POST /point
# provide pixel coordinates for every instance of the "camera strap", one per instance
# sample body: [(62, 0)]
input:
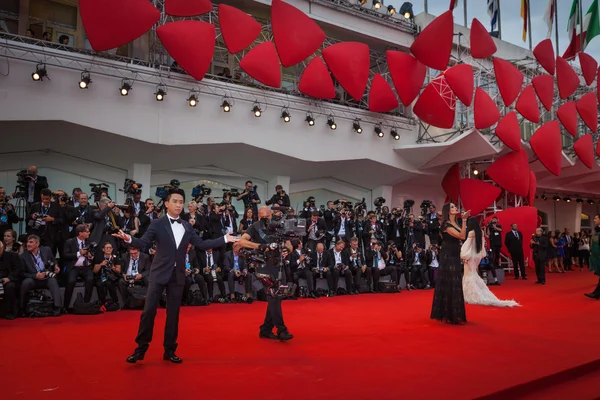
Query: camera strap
[(37, 260), (263, 235)]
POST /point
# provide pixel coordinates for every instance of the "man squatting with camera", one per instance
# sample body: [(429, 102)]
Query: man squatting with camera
[(167, 272), (256, 238)]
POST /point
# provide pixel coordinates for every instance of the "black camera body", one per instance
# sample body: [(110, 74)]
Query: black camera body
[(49, 269), (97, 189), (378, 202), (131, 187)]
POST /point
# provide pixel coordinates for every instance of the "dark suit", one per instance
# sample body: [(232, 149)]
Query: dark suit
[(167, 272), (305, 273), (337, 273), (40, 183), (318, 263), (10, 267), (356, 263), (83, 271), (514, 244), (194, 277), (142, 267), (321, 228), (203, 258), (31, 282), (48, 232), (231, 278), (540, 257)]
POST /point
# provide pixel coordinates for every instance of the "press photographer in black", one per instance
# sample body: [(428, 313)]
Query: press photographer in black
[(279, 199), (494, 233), (539, 244), (250, 197), (257, 238), (10, 274)]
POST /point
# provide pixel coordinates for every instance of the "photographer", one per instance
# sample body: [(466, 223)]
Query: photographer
[(396, 229), (148, 214), (539, 244), (86, 213), (193, 275), (352, 257), (376, 259), (43, 220), (236, 270), (372, 230), (494, 233), (433, 225), (10, 274), (331, 217), (250, 197), (107, 271), (212, 272), (256, 238), (36, 184), (39, 270), (338, 269), (135, 270), (77, 260), (103, 223), (8, 216), (419, 268), (344, 227), (219, 223), (432, 260), (318, 264), (309, 208), (315, 229), (396, 260), (415, 231), (68, 218), (300, 267), (280, 198)]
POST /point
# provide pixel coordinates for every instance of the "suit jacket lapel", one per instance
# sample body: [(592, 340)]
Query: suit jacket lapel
[(167, 226)]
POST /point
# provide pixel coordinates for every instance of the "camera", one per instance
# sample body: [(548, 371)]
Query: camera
[(1, 289), (425, 204), (97, 189), (130, 279), (408, 204), (361, 206), (91, 248), (378, 202), (200, 191), (131, 187), (35, 222), (49, 269), (23, 179)]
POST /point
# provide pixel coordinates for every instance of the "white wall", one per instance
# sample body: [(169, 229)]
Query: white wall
[(418, 193), (563, 215)]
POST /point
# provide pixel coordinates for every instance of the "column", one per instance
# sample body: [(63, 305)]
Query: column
[(141, 173), (382, 191), (278, 180)]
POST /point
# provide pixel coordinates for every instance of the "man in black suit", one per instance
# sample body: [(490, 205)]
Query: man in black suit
[(38, 266), (43, 220), (137, 265), (514, 244), (235, 267), (212, 271), (539, 243), (78, 264), (36, 184), (172, 236), (10, 274), (193, 274), (315, 231)]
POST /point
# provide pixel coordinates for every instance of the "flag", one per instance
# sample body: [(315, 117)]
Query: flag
[(492, 6), (573, 20), (549, 16), (525, 16), (453, 4), (591, 29)]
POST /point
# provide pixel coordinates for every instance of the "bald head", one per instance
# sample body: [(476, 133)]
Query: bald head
[(32, 169), (264, 212)]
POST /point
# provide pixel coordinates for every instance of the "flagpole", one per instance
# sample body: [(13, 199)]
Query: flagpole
[(556, 24), (529, 25), (465, 10), (580, 27), (499, 22), (425, 6)]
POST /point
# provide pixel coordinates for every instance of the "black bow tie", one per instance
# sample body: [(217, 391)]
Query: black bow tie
[(178, 220)]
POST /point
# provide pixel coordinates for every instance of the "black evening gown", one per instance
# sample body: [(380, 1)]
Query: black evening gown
[(448, 300)]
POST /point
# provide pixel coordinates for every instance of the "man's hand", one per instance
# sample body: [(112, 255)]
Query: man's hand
[(40, 275), (138, 277), (231, 238), (325, 269), (218, 269), (207, 270), (237, 273), (122, 235), (302, 258), (5, 281), (47, 218), (83, 252), (364, 268), (103, 263), (56, 269), (111, 204)]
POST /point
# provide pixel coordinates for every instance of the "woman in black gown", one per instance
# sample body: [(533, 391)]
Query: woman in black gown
[(448, 301)]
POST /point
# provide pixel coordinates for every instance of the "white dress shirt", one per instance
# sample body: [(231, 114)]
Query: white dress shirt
[(80, 259)]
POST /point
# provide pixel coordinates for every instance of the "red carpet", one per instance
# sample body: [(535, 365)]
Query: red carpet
[(356, 347)]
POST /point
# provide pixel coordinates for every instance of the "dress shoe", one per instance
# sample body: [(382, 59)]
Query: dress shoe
[(524, 278), (312, 295), (284, 336), (267, 335), (135, 357), (592, 296), (172, 357)]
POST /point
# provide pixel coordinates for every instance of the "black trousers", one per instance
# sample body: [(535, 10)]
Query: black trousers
[(419, 272), (10, 297), (310, 277), (51, 284), (403, 270), (231, 279), (274, 316), (540, 268), (567, 260), (102, 287), (359, 274), (84, 273), (210, 285), (336, 275), (388, 270), (145, 331), (123, 285), (519, 264), (198, 279)]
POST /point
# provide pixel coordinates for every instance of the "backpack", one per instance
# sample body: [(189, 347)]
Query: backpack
[(82, 308), (137, 298)]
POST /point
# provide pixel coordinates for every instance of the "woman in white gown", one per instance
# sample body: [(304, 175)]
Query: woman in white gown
[(474, 288)]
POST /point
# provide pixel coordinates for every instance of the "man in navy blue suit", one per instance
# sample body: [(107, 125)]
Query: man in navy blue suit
[(172, 236)]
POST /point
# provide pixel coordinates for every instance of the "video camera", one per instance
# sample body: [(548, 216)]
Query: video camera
[(97, 189), (408, 204), (23, 179), (91, 248), (163, 191), (293, 228), (131, 187), (199, 191), (425, 204), (361, 206), (378, 202)]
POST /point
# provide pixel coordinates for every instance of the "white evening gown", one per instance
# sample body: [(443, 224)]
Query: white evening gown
[(474, 288)]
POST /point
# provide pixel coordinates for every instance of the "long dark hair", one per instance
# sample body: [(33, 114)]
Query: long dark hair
[(446, 212), (473, 225)]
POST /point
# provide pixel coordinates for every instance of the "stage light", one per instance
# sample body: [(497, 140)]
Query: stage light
[(310, 120), (378, 131), (579, 200), (125, 88), (395, 134), (567, 199), (85, 81), (285, 114), (256, 110), (407, 10), (556, 198), (193, 100), (376, 3), (226, 106), (391, 10), (544, 197), (590, 202), (40, 73), (475, 172), (331, 123), (161, 92), (356, 126)]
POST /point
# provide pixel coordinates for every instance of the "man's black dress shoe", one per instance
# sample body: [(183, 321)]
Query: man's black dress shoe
[(592, 296), (135, 357), (283, 336), (172, 357), (267, 335)]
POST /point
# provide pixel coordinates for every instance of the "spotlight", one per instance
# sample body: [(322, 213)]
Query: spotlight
[(475, 172), (391, 10), (567, 199), (376, 3), (378, 131), (256, 110), (556, 198), (161, 92), (85, 81), (579, 200), (226, 105), (125, 88), (356, 126), (40, 73), (310, 120), (591, 202), (285, 114), (395, 134), (544, 197), (407, 10), (331, 123), (193, 100)]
